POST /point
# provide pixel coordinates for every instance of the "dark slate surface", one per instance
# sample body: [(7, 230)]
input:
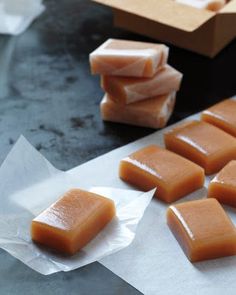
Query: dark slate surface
[(48, 94)]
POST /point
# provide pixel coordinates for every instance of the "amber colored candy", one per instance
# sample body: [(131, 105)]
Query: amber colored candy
[(203, 229), (222, 115), (130, 90), (223, 186), (202, 143), (153, 112), (128, 58), (73, 221), (153, 166)]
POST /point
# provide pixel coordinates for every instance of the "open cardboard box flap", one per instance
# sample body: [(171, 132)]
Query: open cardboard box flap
[(198, 30), (166, 12)]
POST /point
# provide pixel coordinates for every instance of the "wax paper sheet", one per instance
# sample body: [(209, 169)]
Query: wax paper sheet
[(29, 184), (155, 263), (17, 15)]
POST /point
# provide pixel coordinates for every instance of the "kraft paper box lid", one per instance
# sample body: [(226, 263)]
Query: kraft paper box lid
[(180, 17)]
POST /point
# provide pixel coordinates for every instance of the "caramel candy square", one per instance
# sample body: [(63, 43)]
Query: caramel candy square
[(152, 166), (222, 115), (202, 143), (203, 229), (73, 221), (153, 112), (130, 90), (128, 58), (223, 186)]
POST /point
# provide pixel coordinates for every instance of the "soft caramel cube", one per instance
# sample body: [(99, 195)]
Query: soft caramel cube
[(223, 186), (128, 58), (154, 166), (130, 90), (202, 143), (203, 229), (153, 112), (74, 220), (222, 115)]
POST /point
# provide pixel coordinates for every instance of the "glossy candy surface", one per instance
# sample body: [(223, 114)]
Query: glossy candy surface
[(153, 166), (73, 221), (222, 115), (203, 229), (202, 143), (223, 186)]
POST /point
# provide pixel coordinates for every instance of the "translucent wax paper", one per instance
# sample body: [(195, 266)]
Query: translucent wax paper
[(128, 58), (17, 15), (155, 263), (29, 184), (154, 112), (132, 90)]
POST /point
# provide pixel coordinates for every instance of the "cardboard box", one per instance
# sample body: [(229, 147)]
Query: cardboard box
[(199, 30)]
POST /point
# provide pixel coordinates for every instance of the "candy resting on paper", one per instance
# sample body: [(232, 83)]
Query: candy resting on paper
[(203, 229), (223, 186), (128, 58), (202, 143), (214, 5), (154, 166), (222, 115), (153, 112), (129, 90), (71, 222)]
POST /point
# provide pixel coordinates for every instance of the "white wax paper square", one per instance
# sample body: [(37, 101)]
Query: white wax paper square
[(17, 15), (29, 184)]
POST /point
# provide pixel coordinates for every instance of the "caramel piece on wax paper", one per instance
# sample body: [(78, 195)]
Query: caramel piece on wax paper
[(153, 112), (202, 143), (73, 221), (222, 115), (223, 186), (128, 58), (172, 175), (203, 229)]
